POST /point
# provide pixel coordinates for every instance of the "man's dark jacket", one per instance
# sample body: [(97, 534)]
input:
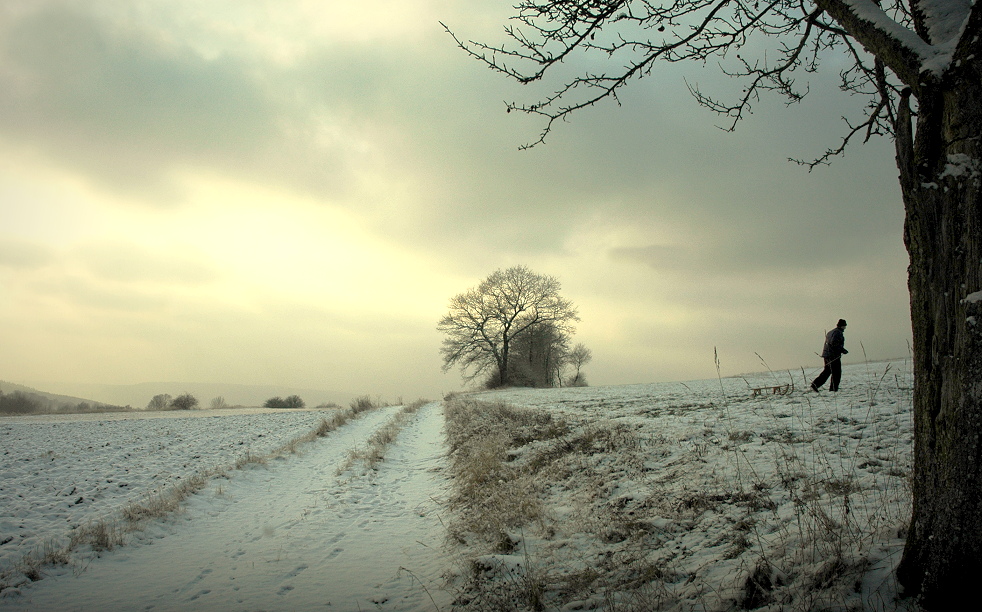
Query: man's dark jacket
[(835, 344)]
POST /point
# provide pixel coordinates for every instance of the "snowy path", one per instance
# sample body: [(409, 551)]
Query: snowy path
[(291, 535)]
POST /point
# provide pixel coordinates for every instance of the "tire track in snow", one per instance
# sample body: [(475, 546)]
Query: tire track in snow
[(287, 536)]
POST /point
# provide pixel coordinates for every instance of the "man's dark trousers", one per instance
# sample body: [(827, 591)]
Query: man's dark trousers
[(833, 368)]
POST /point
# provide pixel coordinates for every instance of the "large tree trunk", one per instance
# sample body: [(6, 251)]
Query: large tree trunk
[(503, 361), (940, 176)]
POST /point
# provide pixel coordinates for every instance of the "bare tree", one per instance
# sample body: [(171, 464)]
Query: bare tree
[(160, 401), (577, 358), (483, 322), (218, 403), (915, 64)]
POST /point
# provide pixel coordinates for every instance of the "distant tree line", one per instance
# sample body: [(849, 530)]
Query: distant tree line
[(163, 401), (292, 401), (187, 401), (23, 402)]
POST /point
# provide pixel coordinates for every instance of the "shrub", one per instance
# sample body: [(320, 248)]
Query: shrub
[(579, 380), (362, 404), (184, 402), (161, 401), (218, 403), (293, 401)]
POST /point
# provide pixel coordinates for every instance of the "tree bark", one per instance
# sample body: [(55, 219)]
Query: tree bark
[(503, 362), (940, 176)]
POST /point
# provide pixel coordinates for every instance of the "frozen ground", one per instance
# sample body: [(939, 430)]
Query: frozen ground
[(669, 496)]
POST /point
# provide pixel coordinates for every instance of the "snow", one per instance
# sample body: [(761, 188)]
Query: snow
[(973, 298), (961, 165), (294, 534), (945, 20)]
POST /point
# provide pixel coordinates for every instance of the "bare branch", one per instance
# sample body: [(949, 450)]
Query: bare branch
[(763, 44)]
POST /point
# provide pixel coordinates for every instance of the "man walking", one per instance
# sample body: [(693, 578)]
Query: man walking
[(832, 353)]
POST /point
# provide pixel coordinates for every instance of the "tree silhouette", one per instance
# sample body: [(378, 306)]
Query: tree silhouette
[(484, 322)]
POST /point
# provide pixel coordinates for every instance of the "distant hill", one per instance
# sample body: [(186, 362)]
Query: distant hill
[(55, 399), (139, 395)]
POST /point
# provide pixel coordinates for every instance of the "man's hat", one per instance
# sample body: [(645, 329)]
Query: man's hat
[(841, 323)]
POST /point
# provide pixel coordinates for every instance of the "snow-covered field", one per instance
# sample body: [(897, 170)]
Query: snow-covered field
[(699, 496), (688, 496), (58, 472), (289, 534)]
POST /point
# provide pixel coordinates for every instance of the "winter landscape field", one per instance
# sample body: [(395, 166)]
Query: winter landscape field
[(670, 496)]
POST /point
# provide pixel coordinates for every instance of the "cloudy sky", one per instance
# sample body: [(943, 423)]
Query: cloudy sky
[(289, 192)]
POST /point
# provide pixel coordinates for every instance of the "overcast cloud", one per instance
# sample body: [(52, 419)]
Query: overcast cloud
[(290, 192)]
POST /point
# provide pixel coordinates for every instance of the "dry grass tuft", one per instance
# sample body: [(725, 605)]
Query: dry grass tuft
[(373, 452), (99, 536), (491, 492), (363, 404), (493, 497), (250, 458), (32, 565)]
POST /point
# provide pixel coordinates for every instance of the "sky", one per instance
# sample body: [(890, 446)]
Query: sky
[(290, 192)]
